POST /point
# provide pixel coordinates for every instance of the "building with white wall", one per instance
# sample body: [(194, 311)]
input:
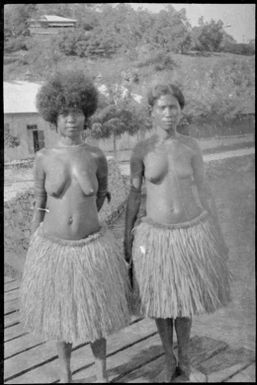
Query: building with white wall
[(51, 24), (22, 120)]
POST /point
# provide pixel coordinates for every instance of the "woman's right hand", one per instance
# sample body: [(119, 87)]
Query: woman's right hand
[(128, 242)]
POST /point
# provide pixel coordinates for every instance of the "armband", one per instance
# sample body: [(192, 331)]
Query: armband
[(104, 194), (41, 209), (134, 190), (129, 264)]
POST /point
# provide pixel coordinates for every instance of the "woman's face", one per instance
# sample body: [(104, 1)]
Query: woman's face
[(166, 112), (70, 123)]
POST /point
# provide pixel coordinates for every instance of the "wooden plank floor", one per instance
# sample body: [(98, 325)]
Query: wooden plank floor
[(134, 354)]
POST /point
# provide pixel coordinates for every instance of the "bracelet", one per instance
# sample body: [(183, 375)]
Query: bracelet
[(102, 193), (41, 209), (128, 264)]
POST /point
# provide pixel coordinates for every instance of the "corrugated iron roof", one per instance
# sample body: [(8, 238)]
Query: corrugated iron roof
[(20, 97), (54, 18)]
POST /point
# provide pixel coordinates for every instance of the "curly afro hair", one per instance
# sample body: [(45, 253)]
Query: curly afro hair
[(66, 90), (163, 89)]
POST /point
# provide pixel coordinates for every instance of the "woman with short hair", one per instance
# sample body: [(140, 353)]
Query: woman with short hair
[(177, 251)]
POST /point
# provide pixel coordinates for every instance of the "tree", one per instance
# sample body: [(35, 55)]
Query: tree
[(16, 19), (169, 30), (58, 9), (240, 49), (118, 113), (10, 140), (186, 43), (208, 36), (226, 42), (251, 42)]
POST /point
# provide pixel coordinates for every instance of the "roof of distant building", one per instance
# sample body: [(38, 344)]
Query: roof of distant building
[(20, 97), (54, 18)]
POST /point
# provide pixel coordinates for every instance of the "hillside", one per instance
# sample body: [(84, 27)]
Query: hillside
[(218, 88), (123, 46)]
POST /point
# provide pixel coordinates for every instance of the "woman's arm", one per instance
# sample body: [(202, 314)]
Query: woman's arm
[(102, 177), (40, 195), (204, 191), (134, 199)]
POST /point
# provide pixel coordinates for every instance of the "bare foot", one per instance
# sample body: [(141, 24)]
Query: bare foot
[(102, 380), (66, 378), (195, 376), (165, 375), (161, 377)]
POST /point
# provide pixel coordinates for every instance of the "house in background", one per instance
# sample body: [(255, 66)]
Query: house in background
[(22, 120), (50, 24)]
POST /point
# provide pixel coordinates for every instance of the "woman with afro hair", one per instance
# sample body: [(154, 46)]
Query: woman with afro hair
[(75, 283)]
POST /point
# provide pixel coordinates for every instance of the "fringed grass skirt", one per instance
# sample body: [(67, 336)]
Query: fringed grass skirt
[(74, 290), (179, 270)]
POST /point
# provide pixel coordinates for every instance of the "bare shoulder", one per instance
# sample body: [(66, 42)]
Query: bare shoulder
[(143, 147), (41, 156), (96, 153), (191, 143), (100, 160)]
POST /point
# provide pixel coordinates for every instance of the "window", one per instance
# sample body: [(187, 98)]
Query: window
[(36, 136)]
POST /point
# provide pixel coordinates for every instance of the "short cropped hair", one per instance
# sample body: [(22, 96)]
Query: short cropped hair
[(165, 89), (66, 90)]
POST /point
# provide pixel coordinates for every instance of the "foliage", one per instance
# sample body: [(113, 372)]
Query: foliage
[(111, 29), (129, 47), (239, 49), (227, 40), (16, 19), (160, 60), (169, 30), (15, 44), (208, 36), (226, 89), (86, 44), (10, 140), (115, 119)]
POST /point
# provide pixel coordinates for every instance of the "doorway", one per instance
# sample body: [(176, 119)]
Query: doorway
[(38, 138)]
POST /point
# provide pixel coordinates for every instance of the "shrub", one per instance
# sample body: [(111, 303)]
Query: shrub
[(86, 44), (10, 140), (161, 60), (117, 119), (15, 44), (239, 48)]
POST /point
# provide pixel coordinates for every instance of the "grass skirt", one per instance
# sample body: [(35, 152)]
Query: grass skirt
[(74, 290), (179, 270)]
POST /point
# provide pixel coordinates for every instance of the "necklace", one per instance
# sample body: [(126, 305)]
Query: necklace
[(71, 146)]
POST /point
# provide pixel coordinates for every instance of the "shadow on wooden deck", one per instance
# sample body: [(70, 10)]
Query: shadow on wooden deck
[(134, 354)]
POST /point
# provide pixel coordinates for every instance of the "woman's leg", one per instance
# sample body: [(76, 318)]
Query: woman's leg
[(64, 353), (165, 329), (183, 328), (99, 351)]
